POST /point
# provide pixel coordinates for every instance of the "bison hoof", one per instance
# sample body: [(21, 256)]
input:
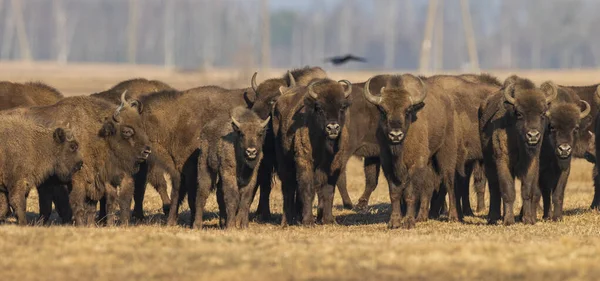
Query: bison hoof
[(453, 218), (468, 212), (395, 222), (557, 218), (328, 220), (348, 206), (262, 217), (362, 206), (595, 205), (421, 218), (509, 220), (197, 226), (408, 223), (528, 220), (166, 208), (308, 223)]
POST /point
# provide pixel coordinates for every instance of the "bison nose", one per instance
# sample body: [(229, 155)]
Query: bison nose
[(533, 137), (564, 150), (251, 153), (78, 166), (333, 130), (146, 152), (396, 136)]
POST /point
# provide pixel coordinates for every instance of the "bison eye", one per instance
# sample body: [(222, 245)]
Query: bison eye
[(519, 115), (73, 147), (127, 132)]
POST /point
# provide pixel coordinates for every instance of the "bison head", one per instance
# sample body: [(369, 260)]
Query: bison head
[(69, 159), (126, 136), (250, 134), (267, 94), (398, 105), (326, 103), (564, 123), (527, 106)]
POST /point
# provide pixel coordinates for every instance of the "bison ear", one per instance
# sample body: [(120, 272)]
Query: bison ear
[(249, 102), (235, 127), (417, 107), (108, 129), (137, 105), (60, 135)]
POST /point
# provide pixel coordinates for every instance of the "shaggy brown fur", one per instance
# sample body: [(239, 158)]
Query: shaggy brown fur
[(412, 136), (29, 94), (565, 118), (56, 153), (135, 88), (512, 123), (112, 142), (304, 152), (230, 151)]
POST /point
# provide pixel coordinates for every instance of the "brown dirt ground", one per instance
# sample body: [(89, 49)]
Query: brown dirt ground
[(360, 247)]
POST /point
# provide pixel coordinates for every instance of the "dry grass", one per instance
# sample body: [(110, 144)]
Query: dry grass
[(360, 247)]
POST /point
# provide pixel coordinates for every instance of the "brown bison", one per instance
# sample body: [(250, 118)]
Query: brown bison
[(112, 141), (317, 129), (136, 88), (29, 94), (230, 151), (512, 124), (565, 118), (56, 154), (412, 137)]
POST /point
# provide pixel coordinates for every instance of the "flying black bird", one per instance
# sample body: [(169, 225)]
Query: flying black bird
[(339, 60)]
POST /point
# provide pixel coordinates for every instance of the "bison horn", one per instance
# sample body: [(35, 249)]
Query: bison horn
[(551, 91), (235, 122), (586, 109), (423, 95), (266, 122), (253, 83), (120, 107), (508, 94), (348, 90), (311, 92), (371, 98), (292, 79)]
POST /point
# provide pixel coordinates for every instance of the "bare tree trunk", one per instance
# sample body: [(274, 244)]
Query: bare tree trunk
[(209, 42), (24, 47), (319, 47), (438, 62), (169, 39), (132, 30), (426, 44), (8, 36), (345, 29), (266, 35), (390, 35), (469, 35), (296, 50), (60, 18)]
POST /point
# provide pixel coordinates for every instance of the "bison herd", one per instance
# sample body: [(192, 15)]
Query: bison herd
[(429, 135)]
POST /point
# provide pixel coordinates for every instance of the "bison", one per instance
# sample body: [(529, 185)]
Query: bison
[(565, 118), (230, 151), (412, 137), (112, 142), (512, 124), (28, 94), (56, 153)]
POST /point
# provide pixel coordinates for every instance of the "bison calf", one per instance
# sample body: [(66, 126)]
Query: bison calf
[(30, 154), (232, 153)]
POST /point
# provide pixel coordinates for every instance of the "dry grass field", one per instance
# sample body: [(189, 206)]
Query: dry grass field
[(359, 247)]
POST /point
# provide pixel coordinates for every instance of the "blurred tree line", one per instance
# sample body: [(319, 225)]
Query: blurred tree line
[(193, 34)]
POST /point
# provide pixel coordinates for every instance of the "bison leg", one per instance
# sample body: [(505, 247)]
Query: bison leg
[(528, 186), (17, 199), (371, 169), (231, 198), (124, 199), (177, 182), (596, 201), (161, 188), (264, 180), (243, 212), (139, 191), (479, 182), (342, 187), (90, 212), (395, 195), (45, 202), (4, 208), (507, 189), (221, 203), (559, 194), (494, 213), (462, 183), (306, 190), (206, 182)]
